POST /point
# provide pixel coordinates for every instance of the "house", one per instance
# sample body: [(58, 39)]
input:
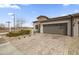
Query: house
[(64, 25)]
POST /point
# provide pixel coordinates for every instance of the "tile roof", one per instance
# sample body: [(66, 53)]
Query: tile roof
[(60, 18)]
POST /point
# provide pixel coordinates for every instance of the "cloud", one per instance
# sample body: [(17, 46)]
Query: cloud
[(10, 13), (14, 6), (66, 14), (63, 14), (66, 4), (26, 4), (76, 11)]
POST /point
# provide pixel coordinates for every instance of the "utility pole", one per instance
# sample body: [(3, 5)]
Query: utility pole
[(9, 28), (13, 14), (14, 22)]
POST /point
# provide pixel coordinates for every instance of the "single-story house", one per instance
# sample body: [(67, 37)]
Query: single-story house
[(64, 25)]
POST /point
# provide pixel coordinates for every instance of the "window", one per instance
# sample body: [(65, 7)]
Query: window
[(36, 26)]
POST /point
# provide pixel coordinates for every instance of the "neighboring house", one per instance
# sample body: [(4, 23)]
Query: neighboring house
[(64, 25)]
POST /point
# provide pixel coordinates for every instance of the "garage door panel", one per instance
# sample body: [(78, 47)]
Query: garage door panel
[(55, 29)]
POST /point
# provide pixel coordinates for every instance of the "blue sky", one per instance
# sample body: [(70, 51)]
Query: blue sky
[(29, 12)]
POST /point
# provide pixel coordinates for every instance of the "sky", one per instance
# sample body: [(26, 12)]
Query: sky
[(29, 12)]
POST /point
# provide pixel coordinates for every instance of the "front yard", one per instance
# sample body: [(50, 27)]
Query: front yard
[(45, 44)]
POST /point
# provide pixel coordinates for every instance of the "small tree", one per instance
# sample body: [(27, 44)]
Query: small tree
[(20, 22), (9, 28), (2, 26)]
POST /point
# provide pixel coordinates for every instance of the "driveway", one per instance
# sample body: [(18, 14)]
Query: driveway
[(42, 44), (8, 49)]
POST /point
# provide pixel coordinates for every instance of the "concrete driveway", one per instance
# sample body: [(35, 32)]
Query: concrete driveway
[(42, 44), (8, 49)]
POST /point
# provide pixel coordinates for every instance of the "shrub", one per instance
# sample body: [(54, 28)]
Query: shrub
[(22, 32), (13, 34)]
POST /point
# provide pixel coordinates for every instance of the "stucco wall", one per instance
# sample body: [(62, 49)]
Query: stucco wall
[(75, 27), (54, 22), (42, 19)]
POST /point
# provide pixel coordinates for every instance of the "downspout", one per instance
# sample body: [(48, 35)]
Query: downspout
[(71, 21)]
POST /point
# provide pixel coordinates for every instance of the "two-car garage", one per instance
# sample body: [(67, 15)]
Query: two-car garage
[(55, 28), (64, 25)]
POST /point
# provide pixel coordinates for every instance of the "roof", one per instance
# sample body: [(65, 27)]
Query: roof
[(60, 18), (42, 16)]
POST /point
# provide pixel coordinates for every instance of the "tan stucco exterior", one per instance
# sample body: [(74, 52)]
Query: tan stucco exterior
[(68, 21), (55, 22), (75, 27)]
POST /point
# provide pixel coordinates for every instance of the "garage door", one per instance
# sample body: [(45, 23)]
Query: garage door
[(55, 28)]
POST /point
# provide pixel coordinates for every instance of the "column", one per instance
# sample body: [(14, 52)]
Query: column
[(41, 28), (75, 28), (68, 29), (33, 30)]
